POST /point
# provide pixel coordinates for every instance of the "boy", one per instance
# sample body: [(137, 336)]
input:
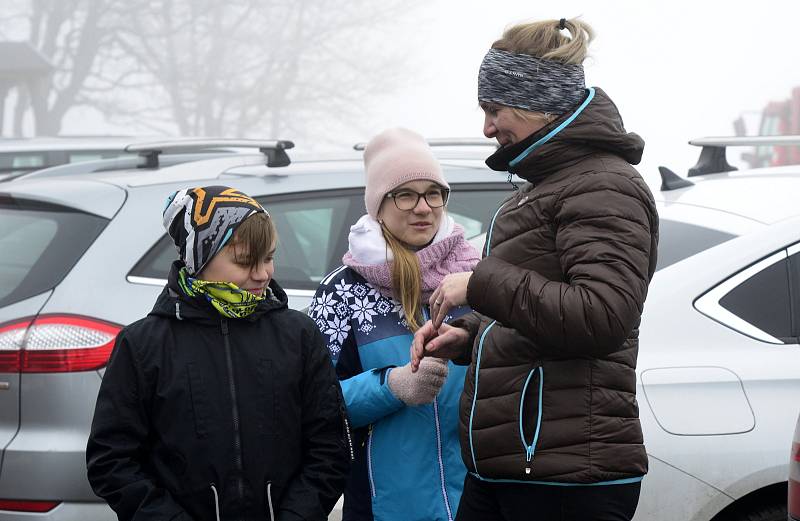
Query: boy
[(222, 403)]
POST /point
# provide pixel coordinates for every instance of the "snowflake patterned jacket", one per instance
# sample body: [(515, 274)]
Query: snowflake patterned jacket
[(401, 451)]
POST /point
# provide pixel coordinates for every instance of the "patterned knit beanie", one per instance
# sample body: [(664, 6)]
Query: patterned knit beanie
[(201, 221), (394, 157)]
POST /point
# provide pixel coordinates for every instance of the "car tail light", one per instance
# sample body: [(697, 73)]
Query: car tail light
[(794, 482), (56, 344), (23, 505)]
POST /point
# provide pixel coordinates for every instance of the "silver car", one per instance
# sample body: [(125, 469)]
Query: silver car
[(82, 252)]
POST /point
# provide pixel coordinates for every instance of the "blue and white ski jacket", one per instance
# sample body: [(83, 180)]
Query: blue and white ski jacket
[(408, 463)]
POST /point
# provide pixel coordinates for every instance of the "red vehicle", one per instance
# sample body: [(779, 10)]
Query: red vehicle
[(779, 118)]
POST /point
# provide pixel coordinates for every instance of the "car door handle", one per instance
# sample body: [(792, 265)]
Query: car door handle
[(5, 386)]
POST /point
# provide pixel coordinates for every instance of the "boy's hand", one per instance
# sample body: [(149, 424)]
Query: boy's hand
[(422, 386)]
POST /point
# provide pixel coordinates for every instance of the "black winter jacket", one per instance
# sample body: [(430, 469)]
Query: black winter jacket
[(197, 412)]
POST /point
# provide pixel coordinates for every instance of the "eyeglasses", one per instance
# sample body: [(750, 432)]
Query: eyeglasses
[(406, 200)]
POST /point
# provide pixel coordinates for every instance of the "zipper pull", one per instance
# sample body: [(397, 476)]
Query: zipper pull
[(529, 455), (369, 433)]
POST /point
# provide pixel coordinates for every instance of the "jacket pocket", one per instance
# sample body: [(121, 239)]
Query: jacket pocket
[(199, 399), (530, 402), (268, 409)]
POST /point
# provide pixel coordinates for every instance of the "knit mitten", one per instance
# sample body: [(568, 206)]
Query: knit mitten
[(420, 387)]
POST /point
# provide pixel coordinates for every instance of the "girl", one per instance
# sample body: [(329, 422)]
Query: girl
[(407, 464)]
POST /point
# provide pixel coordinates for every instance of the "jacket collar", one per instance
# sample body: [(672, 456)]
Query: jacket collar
[(597, 128), (173, 303)]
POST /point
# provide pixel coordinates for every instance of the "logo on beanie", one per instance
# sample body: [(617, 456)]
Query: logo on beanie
[(513, 73)]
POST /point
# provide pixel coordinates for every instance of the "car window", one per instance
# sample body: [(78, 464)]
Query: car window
[(473, 207), (764, 300), (40, 244), (679, 240), (12, 162), (311, 236)]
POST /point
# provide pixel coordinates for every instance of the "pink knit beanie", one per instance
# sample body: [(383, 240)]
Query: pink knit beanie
[(394, 157)]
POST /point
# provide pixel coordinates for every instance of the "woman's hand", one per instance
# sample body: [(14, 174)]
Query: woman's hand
[(451, 292), (448, 342)]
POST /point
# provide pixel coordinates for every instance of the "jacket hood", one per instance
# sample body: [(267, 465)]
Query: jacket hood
[(173, 303), (598, 128)]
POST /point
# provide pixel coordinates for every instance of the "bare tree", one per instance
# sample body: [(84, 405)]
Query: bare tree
[(69, 34), (245, 67), (203, 67)]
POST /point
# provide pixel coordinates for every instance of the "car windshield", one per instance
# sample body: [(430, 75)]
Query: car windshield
[(40, 244)]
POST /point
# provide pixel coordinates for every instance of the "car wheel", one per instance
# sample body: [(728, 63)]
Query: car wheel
[(763, 513)]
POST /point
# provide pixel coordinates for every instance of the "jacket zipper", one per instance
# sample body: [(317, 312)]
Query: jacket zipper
[(475, 389), (531, 448), (426, 315), (369, 462), (491, 229), (347, 432), (237, 438), (441, 460)]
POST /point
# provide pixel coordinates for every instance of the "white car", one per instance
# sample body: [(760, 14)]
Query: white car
[(719, 360), (719, 355)]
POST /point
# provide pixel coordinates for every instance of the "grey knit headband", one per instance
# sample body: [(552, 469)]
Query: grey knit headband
[(530, 83)]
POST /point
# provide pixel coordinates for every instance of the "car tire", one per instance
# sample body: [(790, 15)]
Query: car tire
[(763, 513)]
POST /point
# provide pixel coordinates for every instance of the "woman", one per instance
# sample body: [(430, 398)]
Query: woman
[(222, 402), (549, 418), (408, 464)]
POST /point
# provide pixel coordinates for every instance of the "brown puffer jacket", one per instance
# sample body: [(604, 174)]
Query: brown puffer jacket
[(550, 392)]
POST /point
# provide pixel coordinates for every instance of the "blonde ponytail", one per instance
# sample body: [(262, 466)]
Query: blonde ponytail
[(545, 40), (406, 279)]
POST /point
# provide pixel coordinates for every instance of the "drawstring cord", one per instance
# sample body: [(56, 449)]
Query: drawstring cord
[(269, 501), (216, 500), (510, 175)]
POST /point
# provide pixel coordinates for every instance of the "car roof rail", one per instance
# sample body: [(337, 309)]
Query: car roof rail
[(672, 181), (448, 142), (115, 164), (274, 150), (712, 158)]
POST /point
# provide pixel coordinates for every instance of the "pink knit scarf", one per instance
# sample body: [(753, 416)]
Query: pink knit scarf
[(452, 254)]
